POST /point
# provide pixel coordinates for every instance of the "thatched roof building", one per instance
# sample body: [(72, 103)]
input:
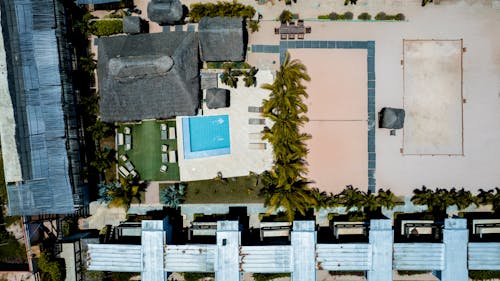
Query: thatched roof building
[(217, 98), (148, 76), (222, 39), (132, 24), (165, 11)]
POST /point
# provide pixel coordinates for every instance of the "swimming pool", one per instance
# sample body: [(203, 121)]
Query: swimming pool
[(205, 136)]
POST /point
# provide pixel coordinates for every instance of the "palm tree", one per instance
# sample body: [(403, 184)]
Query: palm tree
[(90, 105), (103, 159), (122, 193), (386, 199), (490, 197), (297, 197), (286, 16), (230, 77), (87, 64), (352, 197), (321, 198), (173, 195), (249, 78), (99, 130)]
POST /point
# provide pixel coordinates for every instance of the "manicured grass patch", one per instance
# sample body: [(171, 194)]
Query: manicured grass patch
[(145, 153), (230, 190)]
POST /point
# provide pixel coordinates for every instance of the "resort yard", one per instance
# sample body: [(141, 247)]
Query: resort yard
[(227, 190), (145, 151)]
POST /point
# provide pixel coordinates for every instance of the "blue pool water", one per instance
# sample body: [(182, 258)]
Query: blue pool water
[(206, 136)]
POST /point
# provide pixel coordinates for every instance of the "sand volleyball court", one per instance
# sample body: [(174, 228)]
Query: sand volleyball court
[(338, 150), (433, 97)]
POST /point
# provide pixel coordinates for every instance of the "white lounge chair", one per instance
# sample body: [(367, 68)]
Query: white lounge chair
[(258, 146), (119, 138), (163, 168), (164, 148), (123, 157), (133, 173), (171, 133), (172, 156), (126, 130), (163, 127), (123, 171)]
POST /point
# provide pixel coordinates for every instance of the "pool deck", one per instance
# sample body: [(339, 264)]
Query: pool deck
[(243, 159)]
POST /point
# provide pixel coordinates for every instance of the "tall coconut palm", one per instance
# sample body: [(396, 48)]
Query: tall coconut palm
[(99, 130), (103, 159), (386, 199), (249, 78), (352, 197), (490, 197)]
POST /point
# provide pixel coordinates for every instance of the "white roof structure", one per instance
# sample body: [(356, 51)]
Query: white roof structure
[(229, 259)]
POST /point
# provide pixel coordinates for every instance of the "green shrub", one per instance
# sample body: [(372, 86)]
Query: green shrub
[(106, 27), (254, 26), (348, 16), (399, 16), (333, 16), (49, 265), (323, 17), (481, 275), (364, 16), (381, 16), (220, 9), (286, 16), (268, 276)]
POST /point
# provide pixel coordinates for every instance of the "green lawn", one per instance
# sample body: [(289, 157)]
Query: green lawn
[(235, 190), (145, 154)]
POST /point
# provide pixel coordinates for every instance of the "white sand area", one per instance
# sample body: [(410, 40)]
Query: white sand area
[(12, 167), (433, 97)]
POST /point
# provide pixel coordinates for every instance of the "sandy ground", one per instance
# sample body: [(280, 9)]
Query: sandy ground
[(12, 167), (337, 103), (433, 97), (470, 20)]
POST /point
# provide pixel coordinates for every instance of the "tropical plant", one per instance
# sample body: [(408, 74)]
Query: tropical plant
[(87, 64), (352, 2), (104, 158), (386, 198), (173, 195), (321, 198), (352, 197), (220, 9), (49, 265), (230, 77), (285, 185), (106, 27), (286, 16), (296, 197), (219, 178), (490, 197), (254, 26), (99, 130), (425, 2), (249, 77), (121, 193), (90, 105)]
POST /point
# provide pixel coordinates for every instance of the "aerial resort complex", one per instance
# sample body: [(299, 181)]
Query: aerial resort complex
[(250, 140)]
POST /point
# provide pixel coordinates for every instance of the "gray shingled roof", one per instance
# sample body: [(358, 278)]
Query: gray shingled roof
[(221, 39), (148, 76), (165, 11), (217, 98), (132, 24)]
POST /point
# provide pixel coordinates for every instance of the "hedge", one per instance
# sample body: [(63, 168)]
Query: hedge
[(364, 16), (482, 275), (220, 9), (106, 27), (384, 16)]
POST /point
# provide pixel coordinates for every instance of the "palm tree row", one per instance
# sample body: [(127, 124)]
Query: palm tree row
[(285, 185), (352, 197), (439, 200), (230, 76)]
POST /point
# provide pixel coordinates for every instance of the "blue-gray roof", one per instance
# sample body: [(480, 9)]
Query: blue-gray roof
[(36, 92)]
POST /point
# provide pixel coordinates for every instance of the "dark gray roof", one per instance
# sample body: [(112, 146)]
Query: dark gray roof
[(391, 118), (131, 24), (148, 76), (36, 91), (165, 11), (221, 39), (85, 2), (217, 98)]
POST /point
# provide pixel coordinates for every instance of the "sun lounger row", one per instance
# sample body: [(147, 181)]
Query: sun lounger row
[(125, 173), (171, 132), (256, 121), (127, 168)]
